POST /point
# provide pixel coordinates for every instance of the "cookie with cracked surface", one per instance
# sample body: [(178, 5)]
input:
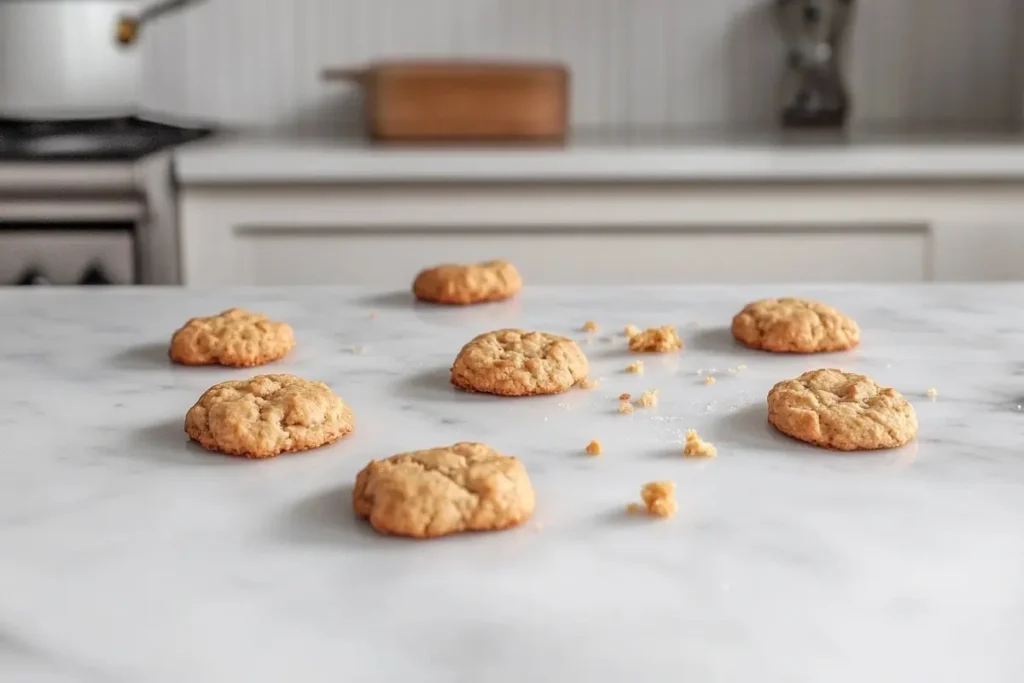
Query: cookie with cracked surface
[(461, 284), (440, 491), (519, 363), (268, 415), (794, 326), (841, 410), (235, 337)]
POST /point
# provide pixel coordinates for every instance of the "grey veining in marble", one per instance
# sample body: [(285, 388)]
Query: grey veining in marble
[(129, 554)]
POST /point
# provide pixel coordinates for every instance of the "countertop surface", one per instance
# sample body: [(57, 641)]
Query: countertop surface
[(596, 156), (130, 554)]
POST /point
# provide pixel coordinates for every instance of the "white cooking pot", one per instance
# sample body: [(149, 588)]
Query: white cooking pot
[(63, 58)]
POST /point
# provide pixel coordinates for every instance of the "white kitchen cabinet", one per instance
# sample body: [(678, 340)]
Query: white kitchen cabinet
[(380, 235)]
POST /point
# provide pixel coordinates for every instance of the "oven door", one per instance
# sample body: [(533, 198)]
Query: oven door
[(84, 253)]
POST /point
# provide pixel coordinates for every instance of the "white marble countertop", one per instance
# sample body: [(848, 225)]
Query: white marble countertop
[(699, 156), (132, 555)]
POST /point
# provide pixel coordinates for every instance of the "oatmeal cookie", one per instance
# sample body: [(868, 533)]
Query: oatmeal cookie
[(794, 326), (441, 491), (467, 283), (841, 410), (235, 337), (268, 415), (519, 363)]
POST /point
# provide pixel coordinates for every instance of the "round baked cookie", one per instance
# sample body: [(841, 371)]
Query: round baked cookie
[(794, 326), (235, 337), (519, 363), (441, 491), (268, 415), (462, 284), (841, 410)]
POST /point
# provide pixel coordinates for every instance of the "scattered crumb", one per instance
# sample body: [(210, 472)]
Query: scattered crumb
[(631, 331), (359, 349), (590, 326), (698, 448), (741, 367), (636, 509), (709, 380), (373, 314), (731, 371), (659, 498), (588, 383), (932, 393), (636, 368), (626, 408), (594, 448), (648, 399), (538, 526), (624, 397), (656, 339)]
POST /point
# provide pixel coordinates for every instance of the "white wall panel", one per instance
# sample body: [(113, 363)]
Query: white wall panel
[(639, 63)]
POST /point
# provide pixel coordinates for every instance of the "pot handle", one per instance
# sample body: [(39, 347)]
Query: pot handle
[(352, 75)]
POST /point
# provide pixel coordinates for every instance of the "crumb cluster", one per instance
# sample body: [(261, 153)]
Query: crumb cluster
[(695, 447), (594, 447), (590, 326), (636, 367), (659, 500), (648, 399), (656, 340), (626, 408)]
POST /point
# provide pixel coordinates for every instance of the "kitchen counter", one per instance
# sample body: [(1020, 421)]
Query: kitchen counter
[(130, 554), (700, 156)]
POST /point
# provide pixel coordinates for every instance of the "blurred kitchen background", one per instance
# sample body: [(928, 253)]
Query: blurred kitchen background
[(246, 166)]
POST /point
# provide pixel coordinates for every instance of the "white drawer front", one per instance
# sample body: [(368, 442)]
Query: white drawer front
[(388, 258)]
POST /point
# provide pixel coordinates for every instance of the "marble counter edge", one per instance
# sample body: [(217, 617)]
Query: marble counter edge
[(243, 161)]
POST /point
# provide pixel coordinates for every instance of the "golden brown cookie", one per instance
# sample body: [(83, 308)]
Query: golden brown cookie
[(268, 415), (518, 363), (656, 340), (441, 491), (467, 283), (794, 326), (841, 410), (235, 337)]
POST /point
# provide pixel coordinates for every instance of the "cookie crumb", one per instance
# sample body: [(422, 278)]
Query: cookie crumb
[(588, 383), (659, 498), (741, 367), (636, 368), (624, 397), (358, 350), (656, 340), (626, 408), (538, 526), (594, 448), (631, 331), (709, 380), (590, 326), (932, 393), (731, 371), (587, 340), (648, 399), (696, 447)]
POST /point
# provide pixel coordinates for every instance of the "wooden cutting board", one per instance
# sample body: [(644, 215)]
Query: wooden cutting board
[(452, 101)]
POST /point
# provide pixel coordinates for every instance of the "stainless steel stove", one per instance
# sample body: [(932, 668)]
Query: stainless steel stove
[(89, 200)]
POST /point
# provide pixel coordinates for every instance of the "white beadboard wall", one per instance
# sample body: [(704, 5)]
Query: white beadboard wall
[(636, 64)]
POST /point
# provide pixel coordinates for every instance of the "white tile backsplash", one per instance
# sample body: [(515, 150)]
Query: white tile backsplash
[(639, 63)]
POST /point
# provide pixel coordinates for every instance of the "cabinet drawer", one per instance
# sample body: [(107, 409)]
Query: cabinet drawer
[(390, 258)]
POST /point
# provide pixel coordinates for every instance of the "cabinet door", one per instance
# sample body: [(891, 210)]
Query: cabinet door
[(564, 256)]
